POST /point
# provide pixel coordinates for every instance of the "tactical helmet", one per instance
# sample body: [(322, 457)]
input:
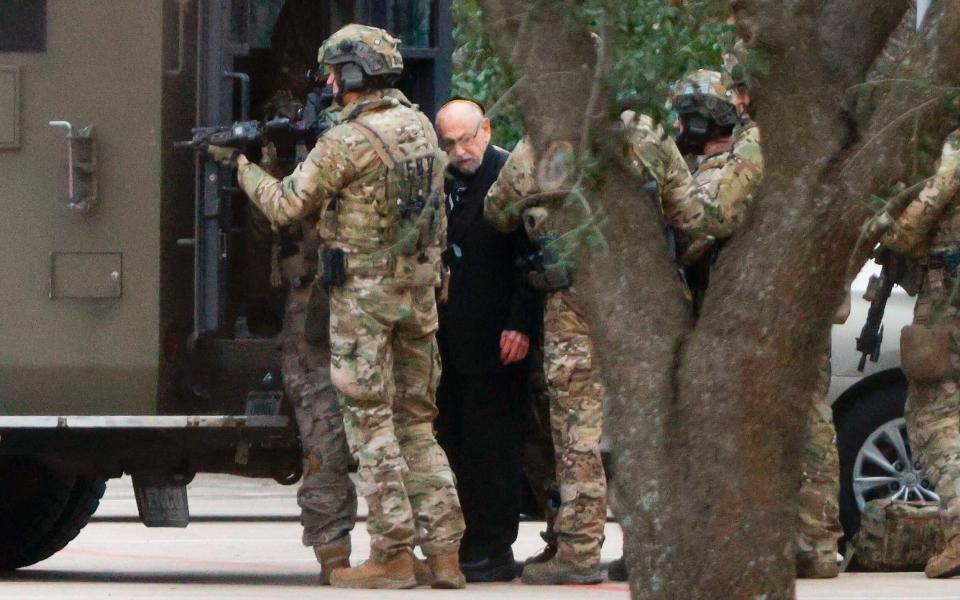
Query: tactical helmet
[(374, 50), (733, 64), (705, 92)]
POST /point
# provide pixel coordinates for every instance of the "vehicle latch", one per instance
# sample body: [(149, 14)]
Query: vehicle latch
[(82, 178)]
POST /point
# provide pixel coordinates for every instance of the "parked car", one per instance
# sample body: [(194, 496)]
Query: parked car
[(875, 457)]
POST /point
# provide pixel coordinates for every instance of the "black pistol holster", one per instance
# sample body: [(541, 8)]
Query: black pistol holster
[(334, 264), (546, 270)]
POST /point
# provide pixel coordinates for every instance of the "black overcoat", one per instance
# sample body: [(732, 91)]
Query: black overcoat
[(487, 294)]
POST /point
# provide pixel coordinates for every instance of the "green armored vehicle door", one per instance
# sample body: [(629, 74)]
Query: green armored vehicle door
[(80, 186), (249, 51)]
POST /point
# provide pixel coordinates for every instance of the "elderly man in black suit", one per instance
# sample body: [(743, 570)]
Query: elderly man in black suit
[(488, 313)]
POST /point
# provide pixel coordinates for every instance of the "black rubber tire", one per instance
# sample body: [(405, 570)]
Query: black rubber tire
[(41, 510), (83, 502), (855, 421)]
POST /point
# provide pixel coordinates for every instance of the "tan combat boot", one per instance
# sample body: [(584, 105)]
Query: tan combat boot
[(947, 563), (394, 573), (817, 565), (421, 570), (566, 568), (332, 556), (446, 571)]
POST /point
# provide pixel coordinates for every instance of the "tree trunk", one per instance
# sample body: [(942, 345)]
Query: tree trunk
[(708, 418)]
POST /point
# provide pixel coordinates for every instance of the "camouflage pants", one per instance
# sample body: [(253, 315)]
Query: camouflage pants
[(933, 409), (326, 497), (386, 367), (819, 514), (576, 416)]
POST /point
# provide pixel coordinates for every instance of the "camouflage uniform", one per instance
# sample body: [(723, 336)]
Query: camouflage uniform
[(383, 318), (576, 403), (819, 527), (929, 228), (576, 419), (262, 251), (712, 204), (729, 180), (327, 497)]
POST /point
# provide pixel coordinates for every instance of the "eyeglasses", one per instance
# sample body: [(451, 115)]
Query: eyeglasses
[(448, 145)]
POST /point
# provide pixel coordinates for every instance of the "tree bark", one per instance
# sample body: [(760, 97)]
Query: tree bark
[(707, 418)]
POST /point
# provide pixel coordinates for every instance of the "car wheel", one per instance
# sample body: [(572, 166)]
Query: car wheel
[(875, 457)]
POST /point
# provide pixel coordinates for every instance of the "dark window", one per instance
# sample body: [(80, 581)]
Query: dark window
[(408, 19), (23, 25), (411, 20)]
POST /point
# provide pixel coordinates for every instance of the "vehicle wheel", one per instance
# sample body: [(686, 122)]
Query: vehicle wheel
[(83, 502), (41, 510), (875, 457)]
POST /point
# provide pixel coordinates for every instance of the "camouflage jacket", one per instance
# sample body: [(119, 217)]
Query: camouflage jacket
[(712, 204), (514, 190), (931, 222), (713, 200), (729, 180), (351, 180)]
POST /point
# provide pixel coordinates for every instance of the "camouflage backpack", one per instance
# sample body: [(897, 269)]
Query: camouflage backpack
[(895, 536)]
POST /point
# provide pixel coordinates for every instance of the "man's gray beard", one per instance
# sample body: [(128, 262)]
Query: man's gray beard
[(472, 171)]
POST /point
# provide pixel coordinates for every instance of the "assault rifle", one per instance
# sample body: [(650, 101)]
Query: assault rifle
[(286, 133), (878, 293), (894, 270)]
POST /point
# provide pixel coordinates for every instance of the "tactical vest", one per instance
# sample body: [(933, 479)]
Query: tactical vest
[(946, 237), (389, 219)]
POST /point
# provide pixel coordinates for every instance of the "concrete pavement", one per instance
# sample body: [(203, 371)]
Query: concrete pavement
[(260, 556)]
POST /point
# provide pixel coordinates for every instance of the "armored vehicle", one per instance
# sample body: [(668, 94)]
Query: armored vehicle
[(137, 334)]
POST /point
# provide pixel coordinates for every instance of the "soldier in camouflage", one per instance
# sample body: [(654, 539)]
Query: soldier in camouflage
[(375, 182), (327, 498), (574, 538), (706, 194), (709, 205), (818, 529), (727, 175), (929, 231), (730, 179), (722, 146), (576, 401)]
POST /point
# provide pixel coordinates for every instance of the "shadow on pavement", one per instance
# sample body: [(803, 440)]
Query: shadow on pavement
[(210, 519), (178, 577)]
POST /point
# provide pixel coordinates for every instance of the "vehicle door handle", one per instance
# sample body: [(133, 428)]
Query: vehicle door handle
[(244, 80), (82, 178), (181, 25)]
